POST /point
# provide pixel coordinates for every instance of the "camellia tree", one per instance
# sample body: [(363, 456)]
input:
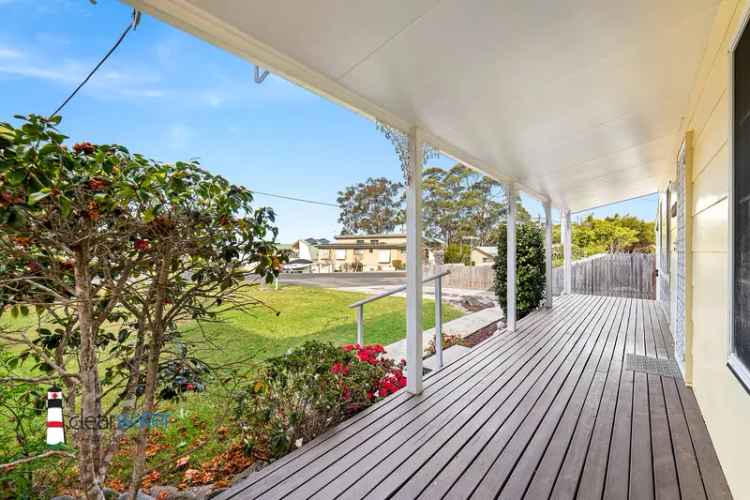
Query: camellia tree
[(110, 250)]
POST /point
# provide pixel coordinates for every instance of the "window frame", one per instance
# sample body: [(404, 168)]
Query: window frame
[(380, 256), (738, 367)]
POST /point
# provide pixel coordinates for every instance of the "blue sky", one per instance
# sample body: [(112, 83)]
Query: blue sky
[(171, 96)]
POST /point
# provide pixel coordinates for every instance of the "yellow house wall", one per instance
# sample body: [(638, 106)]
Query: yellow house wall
[(724, 402)]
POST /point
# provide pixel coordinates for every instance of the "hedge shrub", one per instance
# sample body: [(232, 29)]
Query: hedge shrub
[(530, 267)]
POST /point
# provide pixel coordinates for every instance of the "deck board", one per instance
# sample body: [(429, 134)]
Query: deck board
[(549, 411)]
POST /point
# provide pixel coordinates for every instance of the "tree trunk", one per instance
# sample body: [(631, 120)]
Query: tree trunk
[(152, 373), (89, 439), (130, 397)]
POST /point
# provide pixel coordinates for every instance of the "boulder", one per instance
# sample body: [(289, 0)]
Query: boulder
[(200, 492), (164, 492)]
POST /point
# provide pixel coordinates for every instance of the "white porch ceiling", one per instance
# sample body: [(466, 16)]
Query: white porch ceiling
[(579, 101)]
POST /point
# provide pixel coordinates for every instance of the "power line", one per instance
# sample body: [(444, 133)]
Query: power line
[(302, 200), (136, 17)]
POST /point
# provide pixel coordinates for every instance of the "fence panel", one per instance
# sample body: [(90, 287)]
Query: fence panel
[(618, 275), (480, 277)]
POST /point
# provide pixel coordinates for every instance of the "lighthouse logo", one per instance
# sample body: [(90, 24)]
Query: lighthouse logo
[(55, 430)]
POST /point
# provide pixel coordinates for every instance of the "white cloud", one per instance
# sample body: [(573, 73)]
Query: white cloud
[(179, 135), (213, 99), (112, 80), (9, 53)]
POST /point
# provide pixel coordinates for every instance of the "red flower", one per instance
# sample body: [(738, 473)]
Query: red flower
[(97, 184), (189, 387), (141, 245), (339, 368), (84, 147)]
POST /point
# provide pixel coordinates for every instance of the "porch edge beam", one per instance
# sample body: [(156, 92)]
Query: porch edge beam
[(414, 349)]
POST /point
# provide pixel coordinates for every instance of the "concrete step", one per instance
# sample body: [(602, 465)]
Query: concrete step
[(460, 327)]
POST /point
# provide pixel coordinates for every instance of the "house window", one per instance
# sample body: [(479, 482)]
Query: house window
[(373, 242), (739, 358), (384, 256), (340, 254), (360, 242)]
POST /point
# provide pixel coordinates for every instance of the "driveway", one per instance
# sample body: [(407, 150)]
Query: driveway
[(343, 280)]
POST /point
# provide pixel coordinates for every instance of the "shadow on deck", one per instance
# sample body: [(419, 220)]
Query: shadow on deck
[(565, 407)]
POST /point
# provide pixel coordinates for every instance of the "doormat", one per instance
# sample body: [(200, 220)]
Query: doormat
[(655, 366)]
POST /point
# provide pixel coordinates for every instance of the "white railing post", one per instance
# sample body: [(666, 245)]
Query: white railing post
[(510, 313), (439, 321), (548, 253), (361, 325), (414, 347), (567, 241)]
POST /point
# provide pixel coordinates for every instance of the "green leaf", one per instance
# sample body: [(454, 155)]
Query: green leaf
[(15, 177), (66, 207), (35, 198), (7, 133)]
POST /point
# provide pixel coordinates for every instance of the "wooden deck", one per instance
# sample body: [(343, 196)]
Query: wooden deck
[(551, 411)]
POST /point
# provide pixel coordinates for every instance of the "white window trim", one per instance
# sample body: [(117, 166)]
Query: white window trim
[(734, 363), (380, 256)]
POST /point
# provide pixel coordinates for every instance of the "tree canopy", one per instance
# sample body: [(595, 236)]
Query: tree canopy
[(375, 206), (457, 203)]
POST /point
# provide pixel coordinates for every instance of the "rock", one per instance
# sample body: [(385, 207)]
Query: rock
[(140, 496), (110, 494), (164, 492), (63, 497), (200, 492)]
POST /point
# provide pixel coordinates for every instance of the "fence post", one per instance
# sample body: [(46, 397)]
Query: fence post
[(439, 321), (361, 325)]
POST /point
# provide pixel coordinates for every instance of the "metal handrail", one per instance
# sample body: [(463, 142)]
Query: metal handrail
[(438, 278), (395, 291)]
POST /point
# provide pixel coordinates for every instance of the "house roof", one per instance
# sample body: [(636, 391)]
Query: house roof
[(489, 251), (577, 102), (369, 236), (316, 241), (365, 246)]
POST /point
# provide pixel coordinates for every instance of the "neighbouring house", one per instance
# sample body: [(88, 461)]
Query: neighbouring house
[(483, 255), (305, 255), (369, 252), (579, 104), (308, 248)]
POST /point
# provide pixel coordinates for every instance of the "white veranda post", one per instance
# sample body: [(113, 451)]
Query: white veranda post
[(548, 254), (510, 313), (414, 264), (567, 240)]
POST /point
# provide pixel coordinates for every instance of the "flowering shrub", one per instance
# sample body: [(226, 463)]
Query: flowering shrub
[(299, 395)]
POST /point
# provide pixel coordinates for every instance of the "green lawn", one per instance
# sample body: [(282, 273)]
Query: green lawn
[(202, 425), (307, 314)]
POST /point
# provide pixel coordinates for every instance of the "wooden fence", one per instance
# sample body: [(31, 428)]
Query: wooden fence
[(480, 277), (618, 275)]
